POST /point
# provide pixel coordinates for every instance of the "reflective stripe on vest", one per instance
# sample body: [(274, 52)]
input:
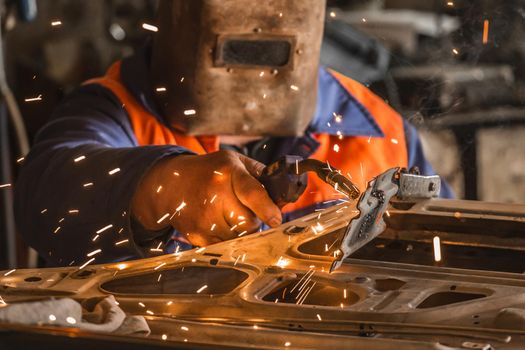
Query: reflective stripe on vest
[(359, 157)]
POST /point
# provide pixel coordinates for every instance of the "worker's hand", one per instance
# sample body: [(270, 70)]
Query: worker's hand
[(209, 198)]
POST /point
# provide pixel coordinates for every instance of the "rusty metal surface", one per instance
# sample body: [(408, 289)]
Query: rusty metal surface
[(274, 288)]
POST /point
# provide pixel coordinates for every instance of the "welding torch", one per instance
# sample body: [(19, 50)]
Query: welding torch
[(286, 179)]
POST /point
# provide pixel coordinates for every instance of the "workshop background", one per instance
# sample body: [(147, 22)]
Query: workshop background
[(453, 68)]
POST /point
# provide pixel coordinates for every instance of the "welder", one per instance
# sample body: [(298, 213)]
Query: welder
[(164, 152)]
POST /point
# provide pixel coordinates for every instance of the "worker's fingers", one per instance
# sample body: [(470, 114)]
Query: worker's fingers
[(254, 167), (252, 195)]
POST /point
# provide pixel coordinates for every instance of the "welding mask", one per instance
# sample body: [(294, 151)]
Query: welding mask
[(238, 67)]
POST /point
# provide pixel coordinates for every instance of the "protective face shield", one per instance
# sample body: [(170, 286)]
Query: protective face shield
[(238, 67)]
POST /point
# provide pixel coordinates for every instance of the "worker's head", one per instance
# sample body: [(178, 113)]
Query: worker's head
[(238, 67)]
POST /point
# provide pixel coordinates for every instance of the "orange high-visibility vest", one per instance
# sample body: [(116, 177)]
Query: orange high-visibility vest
[(359, 157)]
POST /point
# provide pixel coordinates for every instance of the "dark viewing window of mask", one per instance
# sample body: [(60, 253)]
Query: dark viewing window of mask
[(265, 52)]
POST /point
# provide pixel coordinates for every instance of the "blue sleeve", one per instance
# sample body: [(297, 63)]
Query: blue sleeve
[(61, 204), (416, 157)]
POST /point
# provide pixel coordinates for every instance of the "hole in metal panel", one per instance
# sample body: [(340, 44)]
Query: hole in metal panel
[(447, 298), (184, 280)]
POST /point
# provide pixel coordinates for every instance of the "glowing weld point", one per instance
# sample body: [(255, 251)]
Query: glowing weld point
[(184, 328), (121, 266), (150, 27), (189, 112), (294, 87), (164, 337), (201, 289), (71, 320), (104, 228), (52, 318), (255, 326), (287, 344), (9, 272), (437, 249), (332, 14), (114, 171), (78, 159), (56, 23), (282, 263)]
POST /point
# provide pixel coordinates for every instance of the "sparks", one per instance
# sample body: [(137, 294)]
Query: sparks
[(9, 272), (5, 185), (164, 217), (78, 159), (176, 173), (200, 250), (213, 198), (164, 337), (94, 252), (180, 207), (56, 23), (242, 233), (394, 141), (161, 89), (287, 344), (114, 171), (344, 293), (332, 14), (71, 320), (319, 317), (122, 242), (20, 160), (141, 304), (184, 328), (89, 184), (437, 249), (149, 312), (169, 303), (104, 228), (218, 173), (336, 148), (189, 112), (201, 289), (455, 51), (86, 263), (158, 267), (450, 3), (294, 87), (213, 227), (33, 99), (485, 32), (159, 189), (121, 266), (52, 318), (57, 229), (73, 211), (150, 27)]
